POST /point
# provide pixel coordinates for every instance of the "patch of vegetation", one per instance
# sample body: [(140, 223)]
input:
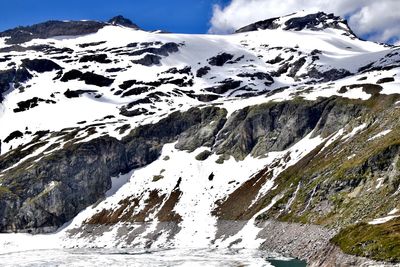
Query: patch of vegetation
[(334, 181), (378, 242), (4, 191)]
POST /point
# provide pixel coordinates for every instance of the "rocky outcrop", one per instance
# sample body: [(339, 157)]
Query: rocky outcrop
[(31, 103), (316, 22), (148, 60), (120, 20), (74, 169), (44, 192), (53, 190), (307, 242), (99, 58), (87, 77), (163, 50), (275, 127), (327, 76), (51, 29), (226, 85), (144, 143), (203, 71), (40, 65), (12, 77), (220, 60), (269, 24)]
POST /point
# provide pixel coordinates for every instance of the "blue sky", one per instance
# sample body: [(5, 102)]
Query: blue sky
[(181, 16)]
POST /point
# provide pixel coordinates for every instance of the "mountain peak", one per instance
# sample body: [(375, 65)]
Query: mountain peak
[(299, 21), (49, 29), (53, 28), (121, 20)]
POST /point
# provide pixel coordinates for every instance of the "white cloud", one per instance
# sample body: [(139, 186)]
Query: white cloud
[(378, 20)]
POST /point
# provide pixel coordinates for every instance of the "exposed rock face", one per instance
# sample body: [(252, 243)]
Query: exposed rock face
[(120, 20), (275, 127), (254, 130), (269, 24), (296, 66), (77, 93), (202, 71), (148, 60), (71, 75), (257, 75), (99, 58), (65, 182), (220, 60), (91, 44), (87, 77), (46, 49), (96, 79), (40, 65), (329, 75), (60, 185), (50, 29), (144, 143), (307, 242), (13, 135), (12, 76), (225, 86), (163, 50), (31, 103), (316, 22)]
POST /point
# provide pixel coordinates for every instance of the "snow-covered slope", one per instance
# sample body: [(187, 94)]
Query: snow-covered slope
[(246, 54), (64, 93)]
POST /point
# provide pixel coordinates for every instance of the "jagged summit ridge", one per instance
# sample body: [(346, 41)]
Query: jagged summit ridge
[(300, 21), (122, 21)]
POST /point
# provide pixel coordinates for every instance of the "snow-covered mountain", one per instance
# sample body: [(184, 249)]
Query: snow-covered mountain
[(129, 138)]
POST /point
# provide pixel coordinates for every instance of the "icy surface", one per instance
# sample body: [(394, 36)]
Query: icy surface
[(150, 258)]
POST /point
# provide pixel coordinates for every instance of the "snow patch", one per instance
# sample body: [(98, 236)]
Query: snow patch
[(379, 135), (383, 219)]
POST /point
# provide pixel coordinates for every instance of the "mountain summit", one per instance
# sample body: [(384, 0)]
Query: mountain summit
[(120, 20), (54, 28), (300, 21)]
